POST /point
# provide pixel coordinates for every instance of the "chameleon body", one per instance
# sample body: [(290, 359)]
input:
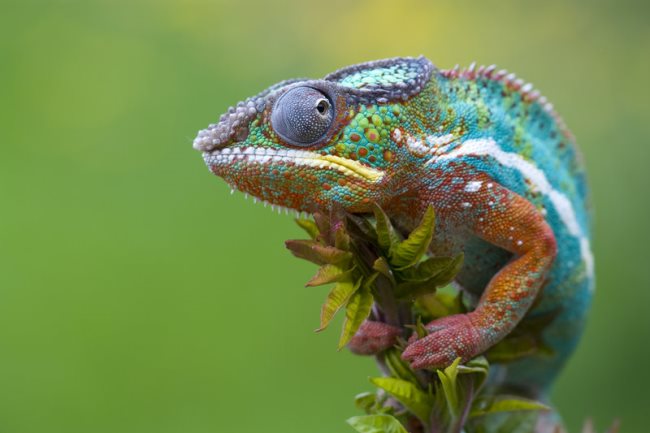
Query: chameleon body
[(481, 146)]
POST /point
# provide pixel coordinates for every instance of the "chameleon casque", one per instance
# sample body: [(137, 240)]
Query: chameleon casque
[(486, 150)]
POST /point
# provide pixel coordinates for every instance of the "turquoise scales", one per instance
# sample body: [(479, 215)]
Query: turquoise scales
[(520, 142), (482, 146)]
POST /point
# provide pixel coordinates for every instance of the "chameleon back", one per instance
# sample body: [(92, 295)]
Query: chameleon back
[(517, 139)]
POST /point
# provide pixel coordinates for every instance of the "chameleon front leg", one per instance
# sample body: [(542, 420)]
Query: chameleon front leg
[(511, 222)]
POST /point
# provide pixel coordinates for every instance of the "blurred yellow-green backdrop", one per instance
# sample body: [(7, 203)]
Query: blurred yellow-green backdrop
[(126, 305)]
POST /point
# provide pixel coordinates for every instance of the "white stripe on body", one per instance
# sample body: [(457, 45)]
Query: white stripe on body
[(489, 147)]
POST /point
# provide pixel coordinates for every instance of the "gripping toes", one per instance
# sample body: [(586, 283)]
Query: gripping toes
[(449, 338), (373, 337)]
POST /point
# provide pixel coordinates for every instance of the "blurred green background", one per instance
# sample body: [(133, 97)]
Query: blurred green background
[(137, 295)]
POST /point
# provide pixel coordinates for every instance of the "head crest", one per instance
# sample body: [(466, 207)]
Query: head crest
[(384, 80)]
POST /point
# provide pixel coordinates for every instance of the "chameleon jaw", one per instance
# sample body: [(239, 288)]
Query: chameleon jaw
[(261, 155)]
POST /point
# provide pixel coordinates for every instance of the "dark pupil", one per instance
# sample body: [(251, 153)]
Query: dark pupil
[(322, 106)]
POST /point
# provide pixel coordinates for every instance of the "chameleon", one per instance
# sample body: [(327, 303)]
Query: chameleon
[(480, 145)]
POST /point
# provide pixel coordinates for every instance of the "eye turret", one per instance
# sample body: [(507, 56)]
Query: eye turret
[(302, 116)]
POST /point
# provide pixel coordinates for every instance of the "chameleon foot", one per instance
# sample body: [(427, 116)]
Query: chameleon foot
[(449, 338), (373, 337)]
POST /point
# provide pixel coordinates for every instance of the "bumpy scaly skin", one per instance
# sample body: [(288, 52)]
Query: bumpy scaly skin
[(483, 147), (374, 337)]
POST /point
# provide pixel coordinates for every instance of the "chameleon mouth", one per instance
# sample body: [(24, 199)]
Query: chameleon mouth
[(262, 155)]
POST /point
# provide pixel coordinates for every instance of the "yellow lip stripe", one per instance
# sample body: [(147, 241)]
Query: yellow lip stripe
[(355, 167)]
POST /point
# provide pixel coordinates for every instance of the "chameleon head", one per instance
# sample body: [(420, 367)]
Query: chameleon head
[(310, 144)]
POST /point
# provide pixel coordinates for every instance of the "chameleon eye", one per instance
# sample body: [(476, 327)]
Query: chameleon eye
[(302, 116)]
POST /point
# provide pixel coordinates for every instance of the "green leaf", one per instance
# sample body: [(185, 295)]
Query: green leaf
[(338, 297), (410, 251), (357, 310), (426, 269), (440, 418), (478, 367), (319, 254), (323, 223), (420, 330), (309, 226), (513, 348), (442, 304), (369, 281), (381, 265), (505, 404), (365, 401), (341, 238), (475, 365), (407, 393), (413, 289), (448, 274), (448, 380), (387, 237), (398, 367), (441, 271), (376, 424), (330, 274)]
